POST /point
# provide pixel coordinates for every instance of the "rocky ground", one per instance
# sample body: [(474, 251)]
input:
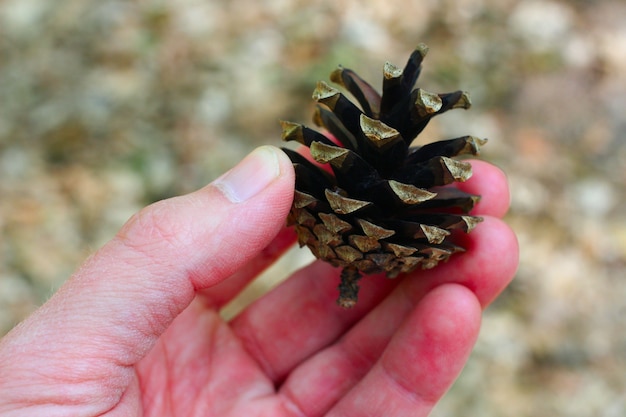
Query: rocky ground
[(108, 105)]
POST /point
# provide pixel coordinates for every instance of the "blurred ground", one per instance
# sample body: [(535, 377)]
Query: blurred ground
[(108, 105)]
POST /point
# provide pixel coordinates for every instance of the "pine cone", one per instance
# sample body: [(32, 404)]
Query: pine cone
[(381, 206)]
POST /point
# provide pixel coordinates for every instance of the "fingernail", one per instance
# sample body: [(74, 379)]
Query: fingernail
[(255, 172)]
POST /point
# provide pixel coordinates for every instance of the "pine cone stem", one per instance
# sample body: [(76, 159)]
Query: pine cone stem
[(349, 287)]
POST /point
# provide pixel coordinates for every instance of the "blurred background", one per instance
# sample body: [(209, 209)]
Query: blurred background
[(108, 105)]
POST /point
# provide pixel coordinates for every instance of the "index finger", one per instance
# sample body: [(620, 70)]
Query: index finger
[(491, 184)]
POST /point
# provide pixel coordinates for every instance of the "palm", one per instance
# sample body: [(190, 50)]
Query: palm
[(199, 368), (203, 365)]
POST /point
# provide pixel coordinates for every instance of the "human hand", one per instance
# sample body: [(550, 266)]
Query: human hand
[(137, 330)]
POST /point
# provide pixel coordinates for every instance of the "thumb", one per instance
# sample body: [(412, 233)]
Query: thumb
[(127, 293)]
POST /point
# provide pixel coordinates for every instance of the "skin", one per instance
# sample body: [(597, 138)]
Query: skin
[(136, 331)]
